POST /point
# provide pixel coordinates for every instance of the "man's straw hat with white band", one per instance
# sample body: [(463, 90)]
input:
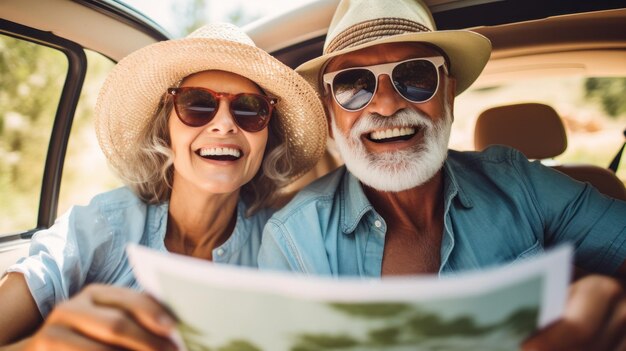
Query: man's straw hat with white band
[(358, 24)]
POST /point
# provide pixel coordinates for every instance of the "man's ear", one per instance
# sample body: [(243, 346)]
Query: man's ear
[(451, 93), (451, 88), (326, 102)]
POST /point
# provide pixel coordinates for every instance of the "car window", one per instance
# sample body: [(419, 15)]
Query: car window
[(32, 78), (85, 172), (593, 110)]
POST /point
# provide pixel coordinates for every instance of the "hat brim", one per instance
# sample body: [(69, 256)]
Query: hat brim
[(467, 51), (133, 89)]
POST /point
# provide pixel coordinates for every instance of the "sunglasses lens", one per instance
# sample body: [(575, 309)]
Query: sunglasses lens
[(251, 112), (354, 88), (195, 107), (416, 80)]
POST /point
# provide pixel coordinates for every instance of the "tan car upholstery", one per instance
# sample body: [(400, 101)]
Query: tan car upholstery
[(538, 132)]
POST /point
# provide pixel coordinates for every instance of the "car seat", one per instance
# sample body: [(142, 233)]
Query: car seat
[(538, 132)]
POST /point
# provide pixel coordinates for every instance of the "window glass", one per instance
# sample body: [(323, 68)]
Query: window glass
[(85, 171), (593, 110), (31, 81)]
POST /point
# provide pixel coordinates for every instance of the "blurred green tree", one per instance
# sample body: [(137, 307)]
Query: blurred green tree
[(609, 92), (32, 77), (191, 14)]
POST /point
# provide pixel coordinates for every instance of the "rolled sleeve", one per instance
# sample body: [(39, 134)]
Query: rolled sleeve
[(45, 269), (71, 253), (40, 279)]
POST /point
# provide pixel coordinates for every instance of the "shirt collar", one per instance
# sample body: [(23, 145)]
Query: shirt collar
[(241, 233), (239, 238), (452, 187), (157, 224), (355, 204)]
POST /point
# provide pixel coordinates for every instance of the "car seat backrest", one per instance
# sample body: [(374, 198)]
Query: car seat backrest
[(534, 129), (537, 131)]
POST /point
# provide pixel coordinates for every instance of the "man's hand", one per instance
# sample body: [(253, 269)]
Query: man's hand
[(105, 318), (594, 319)]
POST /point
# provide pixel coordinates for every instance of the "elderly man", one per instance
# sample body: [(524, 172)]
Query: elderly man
[(405, 204)]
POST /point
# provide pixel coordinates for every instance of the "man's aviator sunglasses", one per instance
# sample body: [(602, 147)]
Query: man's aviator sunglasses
[(197, 106), (416, 80)]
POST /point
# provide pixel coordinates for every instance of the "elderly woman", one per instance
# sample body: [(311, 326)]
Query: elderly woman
[(204, 131)]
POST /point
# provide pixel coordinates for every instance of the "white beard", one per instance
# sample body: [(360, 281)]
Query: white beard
[(398, 170)]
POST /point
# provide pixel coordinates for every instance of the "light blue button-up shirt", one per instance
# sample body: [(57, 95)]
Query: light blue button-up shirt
[(499, 207), (87, 245)]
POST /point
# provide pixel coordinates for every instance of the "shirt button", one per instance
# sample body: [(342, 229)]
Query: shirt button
[(378, 224), (220, 252)]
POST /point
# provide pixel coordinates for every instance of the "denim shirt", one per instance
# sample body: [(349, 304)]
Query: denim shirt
[(499, 207), (87, 245)]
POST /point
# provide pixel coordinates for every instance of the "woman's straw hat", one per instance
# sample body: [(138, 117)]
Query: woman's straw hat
[(358, 24), (132, 91)]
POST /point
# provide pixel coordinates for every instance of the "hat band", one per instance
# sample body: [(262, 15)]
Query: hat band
[(367, 31)]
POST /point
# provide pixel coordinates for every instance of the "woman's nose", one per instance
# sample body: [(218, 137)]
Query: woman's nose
[(223, 121)]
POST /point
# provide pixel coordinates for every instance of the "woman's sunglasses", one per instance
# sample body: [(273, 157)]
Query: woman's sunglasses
[(197, 106), (416, 80)]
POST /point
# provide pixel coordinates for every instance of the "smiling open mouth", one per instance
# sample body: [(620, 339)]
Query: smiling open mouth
[(392, 134), (220, 153)]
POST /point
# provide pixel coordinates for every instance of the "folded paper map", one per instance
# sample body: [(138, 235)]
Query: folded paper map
[(224, 308)]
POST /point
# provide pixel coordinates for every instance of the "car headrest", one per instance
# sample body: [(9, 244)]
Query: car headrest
[(534, 129)]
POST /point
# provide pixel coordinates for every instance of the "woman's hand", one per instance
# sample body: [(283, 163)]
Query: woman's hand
[(594, 319), (105, 318)]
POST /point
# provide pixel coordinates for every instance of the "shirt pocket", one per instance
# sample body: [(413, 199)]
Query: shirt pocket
[(534, 250)]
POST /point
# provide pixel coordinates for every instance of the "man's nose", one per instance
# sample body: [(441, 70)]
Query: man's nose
[(386, 100)]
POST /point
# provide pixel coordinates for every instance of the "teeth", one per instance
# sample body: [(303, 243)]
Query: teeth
[(220, 151), (392, 133)]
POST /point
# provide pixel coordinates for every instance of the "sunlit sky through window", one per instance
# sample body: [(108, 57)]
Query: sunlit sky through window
[(166, 12)]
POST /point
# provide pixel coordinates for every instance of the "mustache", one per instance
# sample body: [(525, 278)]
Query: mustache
[(402, 118)]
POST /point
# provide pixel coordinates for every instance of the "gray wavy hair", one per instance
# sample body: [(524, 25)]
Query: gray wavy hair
[(150, 173)]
